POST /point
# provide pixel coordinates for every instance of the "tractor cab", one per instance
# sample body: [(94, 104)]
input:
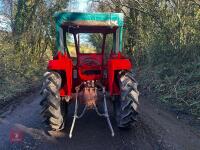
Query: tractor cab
[(73, 28)]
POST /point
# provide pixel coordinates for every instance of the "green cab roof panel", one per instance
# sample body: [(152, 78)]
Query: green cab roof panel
[(89, 19)]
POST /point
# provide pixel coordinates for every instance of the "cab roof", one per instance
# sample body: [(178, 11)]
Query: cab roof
[(88, 19)]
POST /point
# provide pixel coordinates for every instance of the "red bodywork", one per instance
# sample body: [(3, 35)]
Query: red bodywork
[(89, 67)]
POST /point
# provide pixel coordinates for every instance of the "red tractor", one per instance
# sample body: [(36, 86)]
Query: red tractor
[(89, 78)]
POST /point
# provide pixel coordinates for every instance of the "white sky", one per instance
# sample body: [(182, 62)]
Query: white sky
[(4, 23), (83, 5), (78, 5)]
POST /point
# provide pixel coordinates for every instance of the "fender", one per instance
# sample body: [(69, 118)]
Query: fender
[(116, 63), (63, 63)]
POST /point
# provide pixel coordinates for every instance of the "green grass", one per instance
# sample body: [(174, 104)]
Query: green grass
[(176, 85)]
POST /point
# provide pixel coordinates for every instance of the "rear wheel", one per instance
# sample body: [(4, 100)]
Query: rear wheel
[(126, 105), (53, 109)]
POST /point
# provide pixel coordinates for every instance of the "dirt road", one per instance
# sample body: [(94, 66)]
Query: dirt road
[(156, 130)]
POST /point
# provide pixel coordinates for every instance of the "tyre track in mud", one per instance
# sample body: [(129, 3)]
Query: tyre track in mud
[(91, 132)]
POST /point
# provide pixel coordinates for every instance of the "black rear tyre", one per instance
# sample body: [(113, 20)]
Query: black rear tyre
[(53, 109), (126, 105)]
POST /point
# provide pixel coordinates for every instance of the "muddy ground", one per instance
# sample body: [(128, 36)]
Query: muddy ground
[(156, 129)]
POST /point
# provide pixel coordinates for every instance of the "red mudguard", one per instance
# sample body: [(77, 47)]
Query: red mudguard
[(63, 63), (116, 63)]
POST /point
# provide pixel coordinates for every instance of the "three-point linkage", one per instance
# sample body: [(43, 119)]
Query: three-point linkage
[(86, 107)]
